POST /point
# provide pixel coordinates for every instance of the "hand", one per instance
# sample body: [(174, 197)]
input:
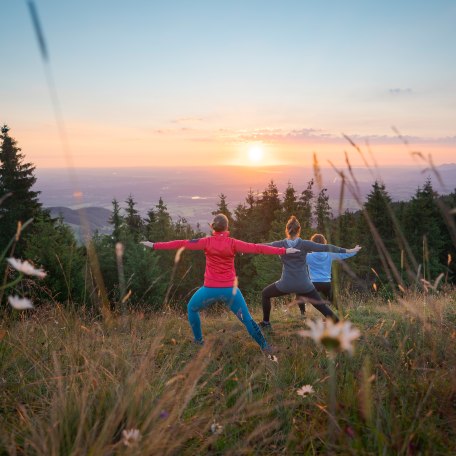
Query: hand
[(147, 244), (292, 250), (355, 249)]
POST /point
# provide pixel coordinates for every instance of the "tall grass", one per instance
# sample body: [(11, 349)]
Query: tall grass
[(70, 384)]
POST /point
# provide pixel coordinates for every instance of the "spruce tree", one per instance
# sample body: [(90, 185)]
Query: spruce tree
[(18, 201), (267, 210), (424, 230), (116, 220), (162, 227), (304, 213), (222, 208), (323, 212), (133, 220)]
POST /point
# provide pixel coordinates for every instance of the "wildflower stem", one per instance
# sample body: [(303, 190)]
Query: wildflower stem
[(11, 284), (332, 396)]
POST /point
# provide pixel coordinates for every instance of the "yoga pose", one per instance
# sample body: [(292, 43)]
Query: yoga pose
[(220, 275), (320, 266), (295, 277)]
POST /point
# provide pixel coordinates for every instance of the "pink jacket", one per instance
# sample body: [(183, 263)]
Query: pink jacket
[(220, 250)]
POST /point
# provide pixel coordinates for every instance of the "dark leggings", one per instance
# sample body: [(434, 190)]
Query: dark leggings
[(271, 291), (325, 289)]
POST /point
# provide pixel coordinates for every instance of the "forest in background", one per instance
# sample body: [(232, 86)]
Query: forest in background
[(405, 244)]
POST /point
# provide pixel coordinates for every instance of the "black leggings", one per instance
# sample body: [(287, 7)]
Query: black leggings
[(325, 289), (271, 291)]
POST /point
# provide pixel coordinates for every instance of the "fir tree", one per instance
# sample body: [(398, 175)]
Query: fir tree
[(222, 208), (18, 201), (378, 209), (116, 220), (323, 212), (267, 210), (304, 213), (161, 229), (133, 220), (424, 230)]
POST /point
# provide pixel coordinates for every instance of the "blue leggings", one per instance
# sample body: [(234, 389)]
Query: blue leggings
[(204, 297)]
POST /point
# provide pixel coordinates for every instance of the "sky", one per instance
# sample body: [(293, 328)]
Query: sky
[(183, 83)]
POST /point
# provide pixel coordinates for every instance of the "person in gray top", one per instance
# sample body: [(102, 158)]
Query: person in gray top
[(295, 276)]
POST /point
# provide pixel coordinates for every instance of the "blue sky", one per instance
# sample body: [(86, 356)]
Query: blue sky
[(179, 78)]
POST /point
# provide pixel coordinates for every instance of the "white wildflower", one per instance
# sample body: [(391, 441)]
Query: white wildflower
[(273, 358), (20, 303), (26, 268), (216, 428), (305, 390), (130, 437), (336, 337)]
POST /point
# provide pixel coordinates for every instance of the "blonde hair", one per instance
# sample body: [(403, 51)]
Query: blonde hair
[(293, 227), (220, 223), (319, 238)]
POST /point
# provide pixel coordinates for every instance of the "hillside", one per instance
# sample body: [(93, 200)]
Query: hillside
[(96, 218), (82, 382)]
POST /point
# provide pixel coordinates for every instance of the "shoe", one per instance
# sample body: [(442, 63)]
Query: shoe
[(265, 325)]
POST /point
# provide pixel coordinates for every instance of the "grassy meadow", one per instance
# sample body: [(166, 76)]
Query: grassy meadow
[(70, 384)]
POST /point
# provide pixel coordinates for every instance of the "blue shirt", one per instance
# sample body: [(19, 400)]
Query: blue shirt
[(320, 264)]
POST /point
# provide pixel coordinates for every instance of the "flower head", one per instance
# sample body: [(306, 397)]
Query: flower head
[(130, 437), (273, 358), (20, 303), (26, 268), (216, 428), (305, 390), (335, 337)]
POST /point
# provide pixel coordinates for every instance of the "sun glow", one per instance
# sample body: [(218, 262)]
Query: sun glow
[(255, 154)]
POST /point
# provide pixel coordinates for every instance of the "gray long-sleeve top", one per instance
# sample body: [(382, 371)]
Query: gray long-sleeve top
[(295, 276)]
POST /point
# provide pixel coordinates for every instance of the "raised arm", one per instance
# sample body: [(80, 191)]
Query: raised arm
[(189, 244)]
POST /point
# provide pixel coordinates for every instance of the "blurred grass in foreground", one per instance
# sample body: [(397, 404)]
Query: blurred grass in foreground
[(71, 384)]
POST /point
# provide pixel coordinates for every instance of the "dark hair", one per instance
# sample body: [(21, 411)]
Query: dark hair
[(319, 238), (220, 223), (293, 227)]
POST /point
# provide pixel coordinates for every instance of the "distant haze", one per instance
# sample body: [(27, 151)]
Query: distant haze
[(193, 193)]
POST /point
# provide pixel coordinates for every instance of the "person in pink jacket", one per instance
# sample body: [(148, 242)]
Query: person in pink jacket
[(220, 275)]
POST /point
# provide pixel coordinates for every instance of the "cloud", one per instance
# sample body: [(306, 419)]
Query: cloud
[(181, 120), (313, 136), (399, 91)]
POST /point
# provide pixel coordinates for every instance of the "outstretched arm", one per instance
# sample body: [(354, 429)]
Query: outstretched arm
[(247, 247), (348, 253), (316, 247), (192, 244)]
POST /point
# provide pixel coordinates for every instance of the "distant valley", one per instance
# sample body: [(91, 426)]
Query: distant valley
[(193, 193)]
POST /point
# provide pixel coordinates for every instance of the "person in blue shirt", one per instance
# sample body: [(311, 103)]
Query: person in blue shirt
[(295, 277), (320, 263)]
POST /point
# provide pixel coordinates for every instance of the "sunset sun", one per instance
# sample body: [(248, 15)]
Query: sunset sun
[(255, 154)]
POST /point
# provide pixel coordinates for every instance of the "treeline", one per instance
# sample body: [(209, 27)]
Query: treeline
[(404, 243)]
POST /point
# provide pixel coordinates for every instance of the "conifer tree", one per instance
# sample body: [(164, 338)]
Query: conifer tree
[(304, 213), (290, 206), (222, 208), (323, 212), (19, 201), (133, 220), (267, 210), (161, 229), (378, 208), (423, 228), (290, 201), (116, 220)]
